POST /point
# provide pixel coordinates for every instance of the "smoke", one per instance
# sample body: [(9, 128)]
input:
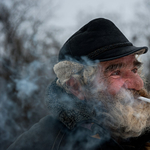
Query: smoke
[(22, 99), (25, 68), (26, 87), (28, 84), (8, 113), (73, 112)]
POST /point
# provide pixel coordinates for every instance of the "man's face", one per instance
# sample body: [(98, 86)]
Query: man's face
[(120, 73), (125, 115)]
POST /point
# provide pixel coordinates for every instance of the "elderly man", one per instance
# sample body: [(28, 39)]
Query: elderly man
[(94, 101)]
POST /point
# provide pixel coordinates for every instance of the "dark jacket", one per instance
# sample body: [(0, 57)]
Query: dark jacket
[(72, 125)]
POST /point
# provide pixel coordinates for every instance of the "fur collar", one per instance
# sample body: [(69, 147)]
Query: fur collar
[(66, 107)]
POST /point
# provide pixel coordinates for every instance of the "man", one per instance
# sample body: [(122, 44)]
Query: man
[(93, 102)]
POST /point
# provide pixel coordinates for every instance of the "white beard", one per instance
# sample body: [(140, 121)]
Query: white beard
[(126, 116)]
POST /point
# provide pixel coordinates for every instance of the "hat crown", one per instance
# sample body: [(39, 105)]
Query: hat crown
[(94, 39)]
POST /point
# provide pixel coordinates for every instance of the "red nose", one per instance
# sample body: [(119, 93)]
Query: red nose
[(134, 82)]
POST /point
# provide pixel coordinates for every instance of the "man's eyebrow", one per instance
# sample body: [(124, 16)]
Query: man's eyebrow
[(137, 64), (114, 67)]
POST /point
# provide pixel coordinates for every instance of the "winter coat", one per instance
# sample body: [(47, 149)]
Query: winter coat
[(71, 125)]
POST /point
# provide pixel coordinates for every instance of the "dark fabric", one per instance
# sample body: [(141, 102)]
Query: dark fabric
[(72, 131), (100, 40), (66, 107), (50, 134), (41, 136)]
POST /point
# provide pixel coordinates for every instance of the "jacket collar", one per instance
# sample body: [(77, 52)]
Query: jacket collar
[(66, 107)]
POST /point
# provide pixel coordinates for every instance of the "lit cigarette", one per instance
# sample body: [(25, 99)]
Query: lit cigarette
[(144, 99)]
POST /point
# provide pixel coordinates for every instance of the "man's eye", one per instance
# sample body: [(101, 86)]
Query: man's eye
[(116, 73), (135, 70)]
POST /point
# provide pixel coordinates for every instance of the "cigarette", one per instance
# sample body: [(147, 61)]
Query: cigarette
[(144, 99)]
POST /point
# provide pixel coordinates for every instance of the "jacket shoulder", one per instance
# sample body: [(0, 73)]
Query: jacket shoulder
[(42, 135)]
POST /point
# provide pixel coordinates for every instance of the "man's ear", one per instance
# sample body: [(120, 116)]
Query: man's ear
[(75, 88)]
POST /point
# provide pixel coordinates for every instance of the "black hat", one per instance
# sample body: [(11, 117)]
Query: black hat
[(98, 40)]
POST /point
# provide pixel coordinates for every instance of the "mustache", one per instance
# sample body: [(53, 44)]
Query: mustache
[(144, 93), (133, 93)]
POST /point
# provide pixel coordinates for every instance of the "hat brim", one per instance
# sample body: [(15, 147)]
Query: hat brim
[(120, 52)]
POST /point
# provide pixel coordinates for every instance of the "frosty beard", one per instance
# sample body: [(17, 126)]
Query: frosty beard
[(125, 115)]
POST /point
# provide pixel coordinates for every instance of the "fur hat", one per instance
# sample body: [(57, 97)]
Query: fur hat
[(98, 40)]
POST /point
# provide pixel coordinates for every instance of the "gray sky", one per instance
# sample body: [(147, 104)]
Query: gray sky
[(70, 12), (68, 9)]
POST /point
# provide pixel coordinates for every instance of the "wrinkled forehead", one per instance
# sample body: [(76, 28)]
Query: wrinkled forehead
[(124, 60)]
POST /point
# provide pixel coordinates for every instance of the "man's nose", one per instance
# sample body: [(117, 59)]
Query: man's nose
[(134, 83)]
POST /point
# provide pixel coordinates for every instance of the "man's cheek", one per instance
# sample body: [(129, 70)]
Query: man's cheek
[(114, 86)]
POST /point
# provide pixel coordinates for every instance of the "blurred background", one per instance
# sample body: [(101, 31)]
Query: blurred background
[(31, 34)]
